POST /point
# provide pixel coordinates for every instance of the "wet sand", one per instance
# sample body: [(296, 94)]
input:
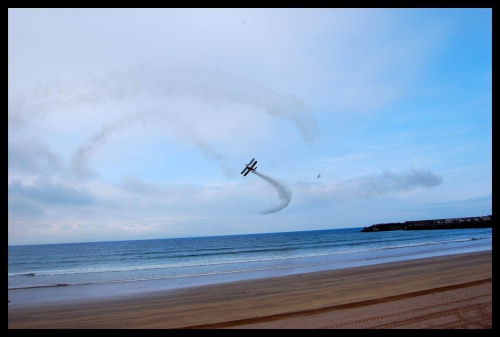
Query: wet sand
[(453, 291)]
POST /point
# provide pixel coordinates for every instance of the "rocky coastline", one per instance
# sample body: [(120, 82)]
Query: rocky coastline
[(452, 223)]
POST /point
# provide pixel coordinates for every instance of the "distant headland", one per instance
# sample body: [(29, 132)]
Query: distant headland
[(453, 223)]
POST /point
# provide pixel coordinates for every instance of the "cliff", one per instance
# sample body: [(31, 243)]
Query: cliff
[(453, 223)]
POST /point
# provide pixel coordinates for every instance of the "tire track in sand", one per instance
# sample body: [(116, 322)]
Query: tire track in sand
[(283, 316)]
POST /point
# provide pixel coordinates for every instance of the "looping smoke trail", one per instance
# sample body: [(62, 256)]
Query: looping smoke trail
[(82, 154), (284, 193)]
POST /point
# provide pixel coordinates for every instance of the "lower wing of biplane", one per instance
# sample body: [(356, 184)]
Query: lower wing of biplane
[(249, 167)]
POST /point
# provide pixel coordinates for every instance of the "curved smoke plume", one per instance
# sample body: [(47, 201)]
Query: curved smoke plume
[(154, 87), (81, 156), (284, 193)]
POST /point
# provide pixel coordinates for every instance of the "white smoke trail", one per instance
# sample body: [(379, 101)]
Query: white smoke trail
[(82, 155), (158, 83), (152, 87), (284, 193)]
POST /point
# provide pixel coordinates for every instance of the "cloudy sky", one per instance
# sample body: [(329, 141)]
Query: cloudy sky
[(129, 124)]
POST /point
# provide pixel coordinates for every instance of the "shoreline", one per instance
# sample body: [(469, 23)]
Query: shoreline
[(268, 302), (62, 292)]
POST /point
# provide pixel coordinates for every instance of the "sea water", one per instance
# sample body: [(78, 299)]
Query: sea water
[(183, 262)]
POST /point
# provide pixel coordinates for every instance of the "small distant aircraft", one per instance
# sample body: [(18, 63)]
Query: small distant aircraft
[(319, 175), (249, 167)]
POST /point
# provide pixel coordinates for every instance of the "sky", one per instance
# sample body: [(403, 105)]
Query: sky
[(131, 124)]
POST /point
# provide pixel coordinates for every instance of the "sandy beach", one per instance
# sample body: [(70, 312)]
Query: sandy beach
[(453, 291)]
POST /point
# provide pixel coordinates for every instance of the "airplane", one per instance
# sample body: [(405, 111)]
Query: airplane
[(249, 167)]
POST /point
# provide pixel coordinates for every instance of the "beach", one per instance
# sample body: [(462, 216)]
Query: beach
[(451, 291)]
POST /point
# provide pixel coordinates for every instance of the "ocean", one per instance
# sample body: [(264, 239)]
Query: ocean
[(184, 262)]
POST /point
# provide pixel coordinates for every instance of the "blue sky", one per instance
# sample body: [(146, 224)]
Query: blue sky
[(132, 124)]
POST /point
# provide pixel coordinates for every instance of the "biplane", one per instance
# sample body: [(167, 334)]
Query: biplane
[(249, 167)]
